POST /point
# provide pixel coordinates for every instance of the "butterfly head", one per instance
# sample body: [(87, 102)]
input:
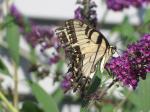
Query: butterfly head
[(113, 49)]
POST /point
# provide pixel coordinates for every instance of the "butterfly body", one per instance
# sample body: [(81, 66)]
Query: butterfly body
[(85, 47)]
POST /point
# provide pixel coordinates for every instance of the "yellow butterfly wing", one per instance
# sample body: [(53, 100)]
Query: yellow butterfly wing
[(93, 44), (87, 46)]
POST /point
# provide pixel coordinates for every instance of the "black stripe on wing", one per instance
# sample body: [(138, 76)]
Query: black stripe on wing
[(71, 36), (87, 30)]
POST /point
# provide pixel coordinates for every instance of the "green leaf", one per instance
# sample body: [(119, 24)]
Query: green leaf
[(107, 108), (27, 25), (29, 106), (127, 31), (84, 109), (1, 108), (141, 97), (144, 28), (8, 20), (58, 95), (129, 107), (147, 15), (3, 68), (95, 84), (96, 81), (47, 102), (33, 56), (12, 38), (60, 65)]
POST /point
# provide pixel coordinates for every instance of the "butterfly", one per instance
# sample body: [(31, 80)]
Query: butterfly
[(85, 47)]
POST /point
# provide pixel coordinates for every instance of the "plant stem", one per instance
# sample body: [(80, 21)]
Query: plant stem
[(8, 104), (108, 87), (15, 92), (86, 4), (7, 6), (103, 18)]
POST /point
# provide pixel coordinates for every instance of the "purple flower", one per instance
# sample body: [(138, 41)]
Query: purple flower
[(40, 35), (118, 5), (54, 59), (89, 15), (133, 64), (79, 13), (19, 19), (66, 83), (44, 38), (115, 5)]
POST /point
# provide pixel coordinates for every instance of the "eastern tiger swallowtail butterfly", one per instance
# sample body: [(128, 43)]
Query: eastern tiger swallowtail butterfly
[(85, 48)]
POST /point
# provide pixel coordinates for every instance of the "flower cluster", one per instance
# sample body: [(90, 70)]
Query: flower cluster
[(118, 5), (44, 36), (37, 35), (87, 13), (133, 64), (40, 34)]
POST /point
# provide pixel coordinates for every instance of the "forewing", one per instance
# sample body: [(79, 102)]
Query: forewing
[(85, 48)]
